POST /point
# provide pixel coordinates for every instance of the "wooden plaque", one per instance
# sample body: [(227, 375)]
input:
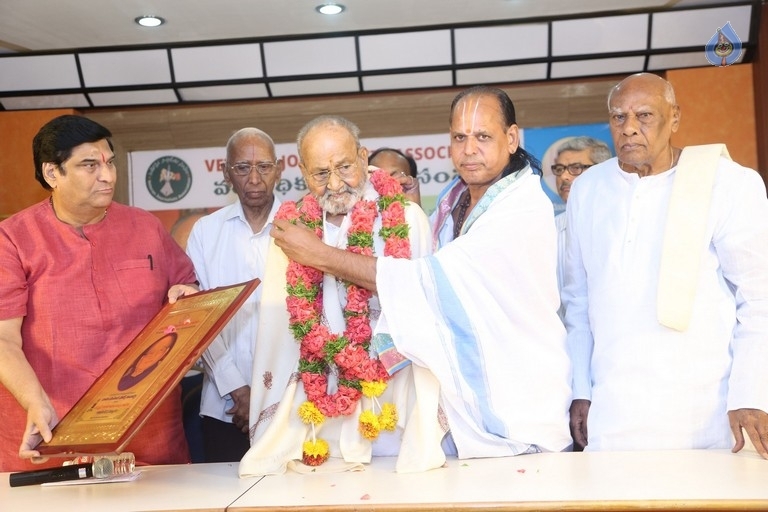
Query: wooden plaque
[(119, 402)]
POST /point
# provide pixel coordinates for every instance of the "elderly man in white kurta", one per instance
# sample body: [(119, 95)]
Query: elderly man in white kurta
[(334, 165), (479, 317), (666, 290), (228, 247)]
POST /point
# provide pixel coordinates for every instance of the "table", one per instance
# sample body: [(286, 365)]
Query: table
[(198, 487), (694, 480), (606, 481)]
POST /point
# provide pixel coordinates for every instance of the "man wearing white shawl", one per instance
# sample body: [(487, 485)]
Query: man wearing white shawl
[(480, 315), (666, 288), (334, 166)]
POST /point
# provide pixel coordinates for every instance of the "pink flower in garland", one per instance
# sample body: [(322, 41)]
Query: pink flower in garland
[(327, 404), (294, 273), (347, 399), (314, 341), (315, 385), (310, 208), (357, 299), (358, 330), (385, 184), (322, 351), (365, 251), (363, 216), (300, 310), (308, 276), (397, 247), (375, 371), (287, 211), (393, 215), (354, 359), (312, 275), (307, 355)]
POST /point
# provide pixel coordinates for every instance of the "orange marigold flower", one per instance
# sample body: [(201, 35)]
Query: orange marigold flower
[(373, 388), (309, 413), (369, 425), (388, 417), (315, 452)]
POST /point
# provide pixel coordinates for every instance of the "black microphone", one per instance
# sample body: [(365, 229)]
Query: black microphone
[(42, 476), (103, 467)]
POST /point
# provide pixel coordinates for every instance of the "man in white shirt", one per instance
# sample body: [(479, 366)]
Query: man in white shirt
[(227, 247), (574, 156), (640, 380)]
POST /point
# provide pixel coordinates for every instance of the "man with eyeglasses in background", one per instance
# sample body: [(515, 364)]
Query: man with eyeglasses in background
[(574, 156), (343, 208), (228, 247)]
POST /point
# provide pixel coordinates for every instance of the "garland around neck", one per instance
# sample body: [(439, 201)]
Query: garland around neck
[(346, 355)]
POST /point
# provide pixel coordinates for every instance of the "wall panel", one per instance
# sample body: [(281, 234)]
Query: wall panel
[(717, 105), (19, 187)]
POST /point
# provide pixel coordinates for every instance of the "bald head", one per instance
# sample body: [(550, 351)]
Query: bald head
[(317, 125), (647, 81), (248, 134)]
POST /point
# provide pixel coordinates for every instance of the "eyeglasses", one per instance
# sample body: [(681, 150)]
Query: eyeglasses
[(573, 169), (344, 172), (244, 168)]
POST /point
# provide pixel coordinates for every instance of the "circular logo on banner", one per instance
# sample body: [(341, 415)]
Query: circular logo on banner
[(169, 179)]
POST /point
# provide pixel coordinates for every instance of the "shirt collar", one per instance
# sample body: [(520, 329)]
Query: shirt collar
[(236, 212)]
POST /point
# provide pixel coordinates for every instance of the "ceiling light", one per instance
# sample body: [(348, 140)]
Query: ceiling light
[(330, 9), (149, 21)]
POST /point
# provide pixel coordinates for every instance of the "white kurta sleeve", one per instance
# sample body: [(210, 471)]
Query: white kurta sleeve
[(741, 243), (223, 370), (576, 303)]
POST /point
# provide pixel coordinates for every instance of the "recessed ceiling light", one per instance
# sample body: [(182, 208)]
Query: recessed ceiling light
[(149, 21), (330, 9)]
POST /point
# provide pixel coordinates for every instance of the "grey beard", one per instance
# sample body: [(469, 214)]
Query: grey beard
[(332, 207)]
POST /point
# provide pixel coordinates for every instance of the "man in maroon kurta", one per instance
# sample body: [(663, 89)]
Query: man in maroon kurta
[(80, 276)]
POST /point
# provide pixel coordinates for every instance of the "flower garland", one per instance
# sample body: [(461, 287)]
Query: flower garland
[(323, 352)]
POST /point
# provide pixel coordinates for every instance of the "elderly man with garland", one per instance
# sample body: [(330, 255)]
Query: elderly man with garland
[(478, 319), (320, 399)]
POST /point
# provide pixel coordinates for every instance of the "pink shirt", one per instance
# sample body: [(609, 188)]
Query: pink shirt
[(84, 298)]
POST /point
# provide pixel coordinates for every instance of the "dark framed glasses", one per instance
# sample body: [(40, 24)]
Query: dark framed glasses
[(573, 169)]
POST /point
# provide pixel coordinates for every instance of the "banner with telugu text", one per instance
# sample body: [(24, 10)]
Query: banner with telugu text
[(179, 179), (183, 179)]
